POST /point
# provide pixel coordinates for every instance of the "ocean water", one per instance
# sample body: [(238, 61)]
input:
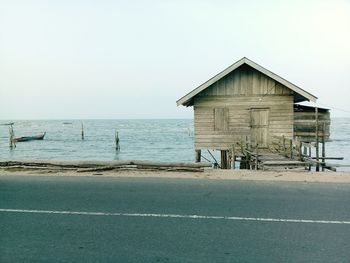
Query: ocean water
[(161, 140), (339, 146)]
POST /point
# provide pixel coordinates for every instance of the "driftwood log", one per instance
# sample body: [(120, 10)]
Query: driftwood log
[(96, 166)]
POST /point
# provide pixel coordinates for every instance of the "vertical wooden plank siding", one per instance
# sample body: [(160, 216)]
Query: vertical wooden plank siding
[(222, 112), (221, 119), (259, 127)]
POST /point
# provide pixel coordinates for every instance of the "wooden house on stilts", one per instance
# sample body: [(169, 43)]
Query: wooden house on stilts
[(247, 104)]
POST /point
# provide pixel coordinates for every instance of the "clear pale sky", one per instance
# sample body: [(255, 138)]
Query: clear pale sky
[(134, 59)]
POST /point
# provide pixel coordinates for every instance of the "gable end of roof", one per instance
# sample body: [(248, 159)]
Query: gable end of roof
[(188, 98)]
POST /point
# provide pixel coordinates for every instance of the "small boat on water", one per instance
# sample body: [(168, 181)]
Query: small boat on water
[(29, 138), (9, 124)]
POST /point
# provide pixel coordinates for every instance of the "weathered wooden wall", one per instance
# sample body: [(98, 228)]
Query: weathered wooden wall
[(245, 81), (305, 125), (239, 92)]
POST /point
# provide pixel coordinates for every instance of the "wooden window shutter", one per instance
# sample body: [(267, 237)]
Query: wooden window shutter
[(221, 119)]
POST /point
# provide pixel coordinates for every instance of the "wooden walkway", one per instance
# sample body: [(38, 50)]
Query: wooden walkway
[(282, 154), (267, 160)]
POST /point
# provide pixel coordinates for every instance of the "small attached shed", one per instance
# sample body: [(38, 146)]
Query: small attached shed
[(246, 101), (305, 127)]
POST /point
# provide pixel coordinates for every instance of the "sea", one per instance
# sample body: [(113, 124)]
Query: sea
[(144, 139)]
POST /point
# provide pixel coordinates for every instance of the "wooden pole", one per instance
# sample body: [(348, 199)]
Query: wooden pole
[(305, 151), (317, 140), (11, 142), (248, 148), (233, 157), (310, 156), (299, 147), (198, 156), (13, 136), (10, 139), (323, 146), (228, 159), (291, 148), (257, 157), (82, 131), (116, 138), (248, 160), (284, 146), (242, 163), (223, 159)]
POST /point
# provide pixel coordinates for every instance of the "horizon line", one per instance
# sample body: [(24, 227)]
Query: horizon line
[(78, 119)]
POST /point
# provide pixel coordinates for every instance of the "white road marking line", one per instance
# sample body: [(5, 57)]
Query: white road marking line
[(177, 216)]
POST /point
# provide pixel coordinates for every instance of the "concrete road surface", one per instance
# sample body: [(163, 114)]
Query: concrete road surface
[(106, 219)]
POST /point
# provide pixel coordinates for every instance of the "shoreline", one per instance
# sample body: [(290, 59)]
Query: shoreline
[(208, 173)]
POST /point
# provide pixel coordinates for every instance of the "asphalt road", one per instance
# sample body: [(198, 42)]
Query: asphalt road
[(90, 219)]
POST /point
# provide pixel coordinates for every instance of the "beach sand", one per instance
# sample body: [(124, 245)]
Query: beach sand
[(217, 174)]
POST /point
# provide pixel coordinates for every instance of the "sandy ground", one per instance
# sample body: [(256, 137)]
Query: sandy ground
[(327, 177)]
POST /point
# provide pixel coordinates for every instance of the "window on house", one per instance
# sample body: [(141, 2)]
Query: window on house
[(221, 119)]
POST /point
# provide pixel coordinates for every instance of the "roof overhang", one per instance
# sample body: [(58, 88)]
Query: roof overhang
[(311, 106), (187, 100)]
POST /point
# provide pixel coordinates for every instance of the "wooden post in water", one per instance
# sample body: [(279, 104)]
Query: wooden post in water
[(10, 138), (317, 141), (198, 154), (82, 131), (116, 138), (12, 143)]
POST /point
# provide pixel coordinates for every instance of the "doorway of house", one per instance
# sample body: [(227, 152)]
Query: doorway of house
[(259, 127)]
